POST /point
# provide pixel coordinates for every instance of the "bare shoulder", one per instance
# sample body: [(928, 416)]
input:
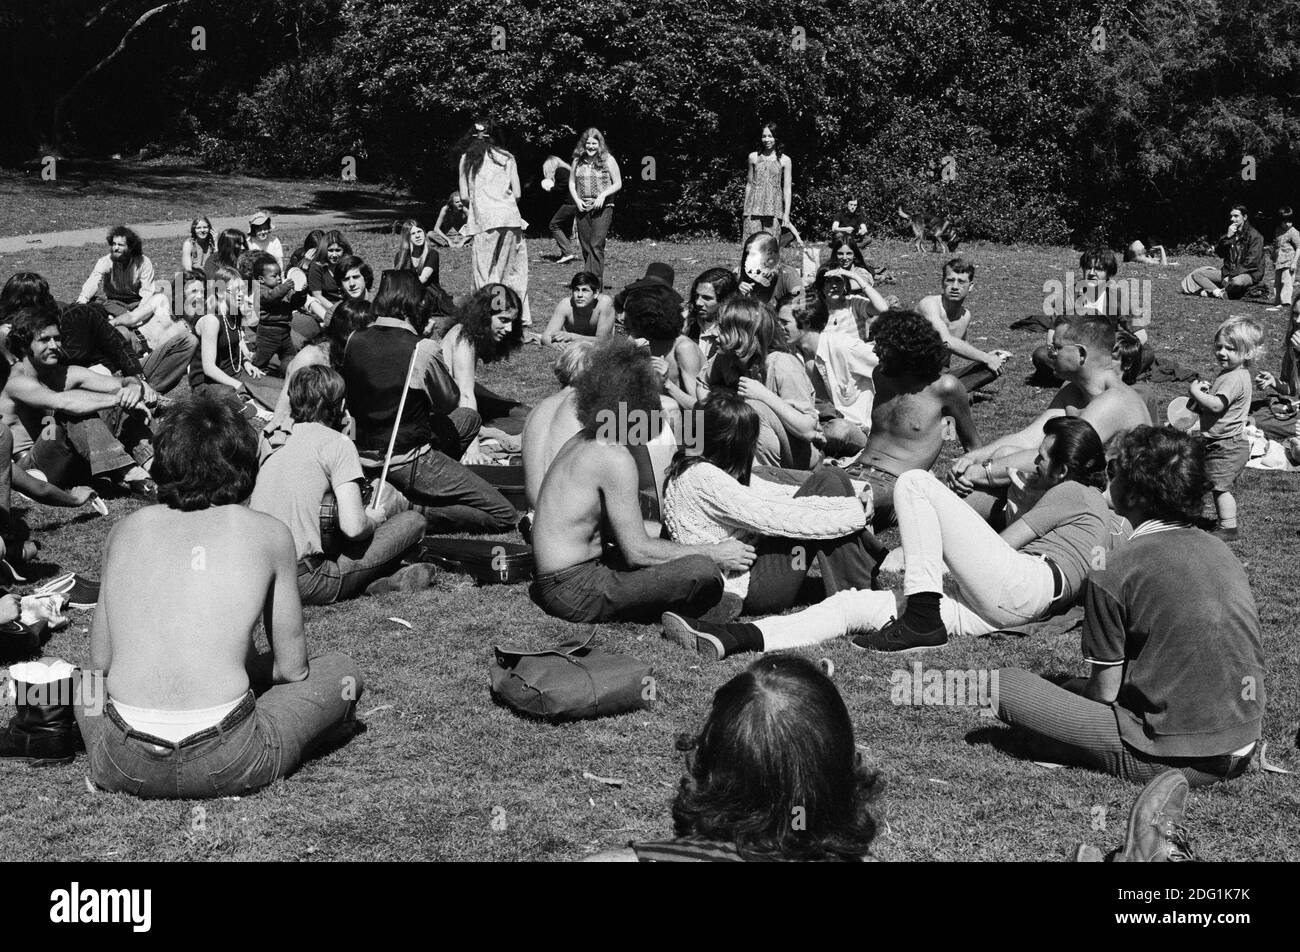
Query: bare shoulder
[(948, 387)]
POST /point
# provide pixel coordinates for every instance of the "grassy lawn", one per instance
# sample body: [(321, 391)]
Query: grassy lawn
[(438, 760)]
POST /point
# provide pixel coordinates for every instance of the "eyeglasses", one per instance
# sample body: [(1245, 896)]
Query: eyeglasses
[(1054, 348)]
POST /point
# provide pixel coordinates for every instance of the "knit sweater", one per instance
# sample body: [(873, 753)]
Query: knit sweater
[(704, 505)]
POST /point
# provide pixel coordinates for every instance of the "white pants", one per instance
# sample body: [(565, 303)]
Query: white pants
[(1003, 585), (854, 610)]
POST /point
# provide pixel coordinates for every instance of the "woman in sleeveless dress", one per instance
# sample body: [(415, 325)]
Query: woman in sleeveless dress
[(489, 184), (767, 192)]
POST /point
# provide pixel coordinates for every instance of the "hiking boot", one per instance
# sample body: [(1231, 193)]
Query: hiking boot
[(44, 729), (1154, 825), (711, 641), (898, 637)]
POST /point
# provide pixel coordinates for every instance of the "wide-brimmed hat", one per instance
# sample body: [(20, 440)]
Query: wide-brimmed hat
[(259, 217)]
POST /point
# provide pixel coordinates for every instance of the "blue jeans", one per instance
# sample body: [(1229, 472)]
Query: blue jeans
[(264, 738), (450, 497), (324, 581), (595, 591), (593, 226)]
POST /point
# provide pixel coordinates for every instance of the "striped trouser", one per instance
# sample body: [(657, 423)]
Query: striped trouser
[(1068, 728)]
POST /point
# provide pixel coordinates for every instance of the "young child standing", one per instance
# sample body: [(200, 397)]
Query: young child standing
[(1286, 244), (1223, 407)]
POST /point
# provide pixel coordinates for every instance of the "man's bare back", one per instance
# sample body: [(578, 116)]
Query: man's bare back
[(548, 427), (1116, 409), (907, 422), (570, 505), (181, 594)]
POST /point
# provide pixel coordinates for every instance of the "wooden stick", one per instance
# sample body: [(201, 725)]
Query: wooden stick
[(392, 440)]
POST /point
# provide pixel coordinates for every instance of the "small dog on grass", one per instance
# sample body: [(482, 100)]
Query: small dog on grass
[(937, 229)]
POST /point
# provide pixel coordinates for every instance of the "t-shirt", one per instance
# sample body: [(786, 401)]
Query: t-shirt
[(293, 481), (1236, 387), (1076, 530), (1173, 606), (848, 219), (320, 277)]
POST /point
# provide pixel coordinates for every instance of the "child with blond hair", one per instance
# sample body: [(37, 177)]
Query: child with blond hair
[(1223, 407)]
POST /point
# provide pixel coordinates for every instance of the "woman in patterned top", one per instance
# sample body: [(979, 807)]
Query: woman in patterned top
[(767, 191), (595, 179)]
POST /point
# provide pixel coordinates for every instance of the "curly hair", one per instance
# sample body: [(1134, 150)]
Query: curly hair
[(908, 346), (619, 382), (204, 453), (777, 747), (134, 247), (475, 318), (1163, 470), (652, 316)]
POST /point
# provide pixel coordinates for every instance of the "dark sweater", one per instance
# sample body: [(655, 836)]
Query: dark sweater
[(89, 339), (1175, 608)]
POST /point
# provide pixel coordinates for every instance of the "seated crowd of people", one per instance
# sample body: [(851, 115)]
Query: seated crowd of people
[(740, 453)]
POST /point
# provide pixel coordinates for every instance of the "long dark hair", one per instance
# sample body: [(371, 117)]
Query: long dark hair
[(838, 242), (475, 146), (230, 246), (310, 243), (400, 295), (778, 748), (349, 316), (778, 147), (475, 319), (730, 427), (1078, 450)]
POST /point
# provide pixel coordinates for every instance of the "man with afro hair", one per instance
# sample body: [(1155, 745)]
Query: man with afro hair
[(595, 561)]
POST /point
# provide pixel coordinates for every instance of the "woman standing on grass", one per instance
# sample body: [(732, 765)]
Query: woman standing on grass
[(198, 247), (489, 183), (595, 179), (767, 190)]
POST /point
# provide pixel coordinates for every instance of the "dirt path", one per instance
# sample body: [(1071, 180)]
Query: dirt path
[(178, 229)]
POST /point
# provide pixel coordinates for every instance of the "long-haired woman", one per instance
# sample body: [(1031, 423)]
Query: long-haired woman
[(767, 189), (489, 184), (416, 253), (486, 328), (198, 247), (714, 496), (1032, 570), (595, 180), (231, 245), (754, 360)]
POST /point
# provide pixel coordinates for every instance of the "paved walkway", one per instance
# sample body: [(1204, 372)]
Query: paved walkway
[(178, 229)]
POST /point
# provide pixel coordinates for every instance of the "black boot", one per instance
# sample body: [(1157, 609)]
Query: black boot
[(44, 731)]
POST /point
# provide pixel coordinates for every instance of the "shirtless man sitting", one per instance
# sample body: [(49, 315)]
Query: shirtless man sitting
[(552, 422), (591, 489), (185, 585), (948, 313), (1082, 358), (915, 400), (98, 422)]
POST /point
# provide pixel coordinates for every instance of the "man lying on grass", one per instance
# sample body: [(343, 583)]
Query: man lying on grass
[(184, 586), (592, 488), (1082, 356)]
